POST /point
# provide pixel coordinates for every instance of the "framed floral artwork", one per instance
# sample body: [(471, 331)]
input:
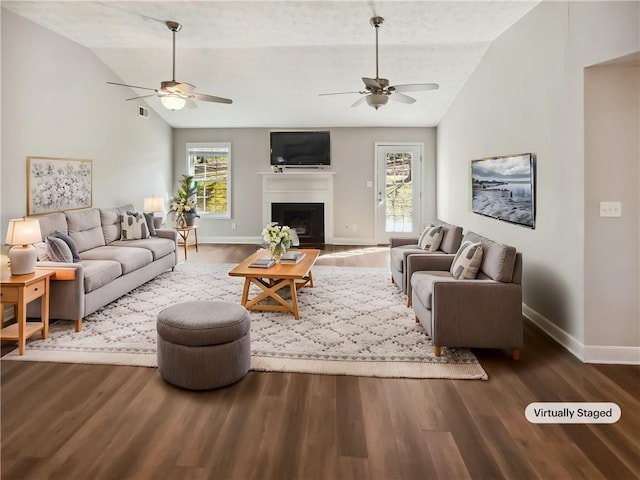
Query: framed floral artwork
[(55, 184)]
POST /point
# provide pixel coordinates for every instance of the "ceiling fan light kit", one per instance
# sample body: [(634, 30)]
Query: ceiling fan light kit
[(378, 91), (175, 95)]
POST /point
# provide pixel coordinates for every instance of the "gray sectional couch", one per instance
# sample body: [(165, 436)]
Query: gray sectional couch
[(109, 267)]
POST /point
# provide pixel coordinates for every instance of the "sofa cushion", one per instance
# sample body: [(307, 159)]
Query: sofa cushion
[(85, 228), (498, 259), (451, 237), (130, 258), (422, 284), (58, 250), (134, 227), (430, 239), (159, 247), (51, 222), (98, 273), (110, 220), (398, 254), (149, 217), (466, 263)]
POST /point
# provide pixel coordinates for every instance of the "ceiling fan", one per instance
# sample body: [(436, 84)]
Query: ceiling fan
[(175, 95), (378, 91)]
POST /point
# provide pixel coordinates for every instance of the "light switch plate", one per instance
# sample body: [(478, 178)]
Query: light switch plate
[(610, 209)]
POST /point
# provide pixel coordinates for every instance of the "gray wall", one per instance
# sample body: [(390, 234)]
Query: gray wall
[(353, 153), (55, 103), (527, 95)]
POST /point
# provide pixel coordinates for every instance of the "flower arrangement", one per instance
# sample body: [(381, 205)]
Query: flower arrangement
[(184, 203), (278, 238)]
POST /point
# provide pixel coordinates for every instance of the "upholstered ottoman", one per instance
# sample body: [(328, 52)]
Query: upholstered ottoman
[(203, 345)]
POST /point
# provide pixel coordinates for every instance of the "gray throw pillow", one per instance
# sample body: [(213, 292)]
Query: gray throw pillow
[(58, 250), (431, 238), (134, 227), (467, 261), (69, 241), (150, 225)]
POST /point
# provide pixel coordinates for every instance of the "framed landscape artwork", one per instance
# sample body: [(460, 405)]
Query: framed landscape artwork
[(504, 188), (55, 184)]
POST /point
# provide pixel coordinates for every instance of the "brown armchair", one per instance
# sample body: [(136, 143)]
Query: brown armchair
[(485, 312)]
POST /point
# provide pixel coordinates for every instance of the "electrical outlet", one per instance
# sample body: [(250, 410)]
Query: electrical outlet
[(355, 227), (234, 225), (369, 184), (610, 209)]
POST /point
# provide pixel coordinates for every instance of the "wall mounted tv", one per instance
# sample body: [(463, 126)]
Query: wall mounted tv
[(300, 149)]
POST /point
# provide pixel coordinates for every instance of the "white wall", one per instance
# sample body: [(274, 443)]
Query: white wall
[(612, 166), (526, 95), (55, 103), (353, 155)]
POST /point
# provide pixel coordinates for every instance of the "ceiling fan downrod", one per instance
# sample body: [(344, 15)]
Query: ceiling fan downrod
[(376, 22), (174, 27)]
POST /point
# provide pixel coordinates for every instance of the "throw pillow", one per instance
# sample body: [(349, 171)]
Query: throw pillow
[(467, 261), (152, 228), (41, 251), (431, 238), (134, 227), (69, 241), (424, 232), (58, 250)]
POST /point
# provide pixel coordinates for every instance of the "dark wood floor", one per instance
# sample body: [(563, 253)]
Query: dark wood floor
[(107, 422)]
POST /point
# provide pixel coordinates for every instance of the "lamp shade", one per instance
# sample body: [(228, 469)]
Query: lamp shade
[(173, 102), (154, 204), (377, 100), (23, 231)]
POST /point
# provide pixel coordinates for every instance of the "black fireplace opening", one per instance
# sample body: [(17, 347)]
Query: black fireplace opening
[(307, 219)]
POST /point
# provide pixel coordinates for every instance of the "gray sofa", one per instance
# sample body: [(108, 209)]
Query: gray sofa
[(109, 267), (483, 312), (401, 248)]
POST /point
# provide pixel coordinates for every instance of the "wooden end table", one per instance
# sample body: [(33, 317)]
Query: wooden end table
[(184, 234), (271, 280), (19, 290)]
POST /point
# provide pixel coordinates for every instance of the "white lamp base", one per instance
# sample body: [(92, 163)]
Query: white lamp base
[(23, 259)]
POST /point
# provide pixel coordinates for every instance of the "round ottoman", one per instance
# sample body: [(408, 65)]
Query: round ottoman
[(203, 345)]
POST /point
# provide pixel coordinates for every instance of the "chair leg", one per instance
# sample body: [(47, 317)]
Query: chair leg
[(409, 301), (393, 280), (417, 319), (515, 353), (437, 351), (78, 325)]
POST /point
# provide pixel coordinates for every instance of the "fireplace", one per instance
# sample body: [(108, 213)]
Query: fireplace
[(307, 219)]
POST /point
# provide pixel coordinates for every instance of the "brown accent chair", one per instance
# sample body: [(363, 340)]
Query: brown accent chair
[(401, 248), (485, 312)]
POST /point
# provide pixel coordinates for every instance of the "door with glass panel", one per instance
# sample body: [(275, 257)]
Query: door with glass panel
[(398, 190)]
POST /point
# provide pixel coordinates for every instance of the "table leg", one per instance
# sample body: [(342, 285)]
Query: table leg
[(21, 310), (195, 232), (245, 291), (44, 309), (294, 299)]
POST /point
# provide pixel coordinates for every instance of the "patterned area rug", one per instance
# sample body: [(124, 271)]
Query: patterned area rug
[(352, 322)]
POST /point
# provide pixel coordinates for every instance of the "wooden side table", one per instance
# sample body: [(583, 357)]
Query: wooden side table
[(184, 234), (19, 290)]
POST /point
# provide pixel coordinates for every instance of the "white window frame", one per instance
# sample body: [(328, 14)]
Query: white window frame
[(190, 169)]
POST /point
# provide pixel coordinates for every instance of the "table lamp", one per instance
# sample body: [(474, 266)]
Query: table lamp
[(154, 204), (22, 233)]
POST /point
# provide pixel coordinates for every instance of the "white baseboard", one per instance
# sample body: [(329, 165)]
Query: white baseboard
[(353, 241), (584, 353), (258, 240)]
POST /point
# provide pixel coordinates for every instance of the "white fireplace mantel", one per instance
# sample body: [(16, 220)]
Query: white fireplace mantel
[(299, 187)]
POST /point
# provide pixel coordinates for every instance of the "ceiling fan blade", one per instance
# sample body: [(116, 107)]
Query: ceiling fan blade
[(190, 104), (415, 87), (141, 96), (336, 93), (371, 83), (185, 87), (209, 98), (402, 98), (131, 86), (359, 101)]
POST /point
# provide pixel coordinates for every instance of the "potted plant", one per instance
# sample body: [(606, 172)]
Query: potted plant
[(278, 238), (183, 205)]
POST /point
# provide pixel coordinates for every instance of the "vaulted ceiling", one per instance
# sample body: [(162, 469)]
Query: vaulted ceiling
[(274, 58)]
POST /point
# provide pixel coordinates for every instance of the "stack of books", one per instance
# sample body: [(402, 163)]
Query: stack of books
[(291, 258), (264, 262)]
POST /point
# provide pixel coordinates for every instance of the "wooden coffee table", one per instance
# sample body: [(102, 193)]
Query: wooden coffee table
[(271, 280)]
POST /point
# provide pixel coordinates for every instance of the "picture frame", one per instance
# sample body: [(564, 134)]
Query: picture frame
[(504, 188), (55, 184)]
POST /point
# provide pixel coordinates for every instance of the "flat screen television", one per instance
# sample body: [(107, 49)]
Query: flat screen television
[(300, 149)]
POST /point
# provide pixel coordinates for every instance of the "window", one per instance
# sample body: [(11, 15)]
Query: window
[(210, 165)]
